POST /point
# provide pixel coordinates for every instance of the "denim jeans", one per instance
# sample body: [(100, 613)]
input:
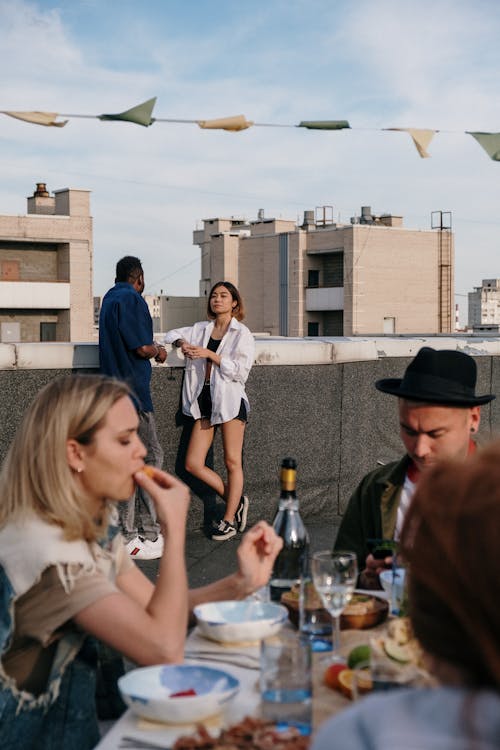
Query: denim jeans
[(138, 515), (68, 723)]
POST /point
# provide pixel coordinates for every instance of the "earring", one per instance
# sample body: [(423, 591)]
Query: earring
[(80, 469)]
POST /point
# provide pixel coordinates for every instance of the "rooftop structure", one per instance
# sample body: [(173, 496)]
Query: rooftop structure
[(322, 278), (46, 269)]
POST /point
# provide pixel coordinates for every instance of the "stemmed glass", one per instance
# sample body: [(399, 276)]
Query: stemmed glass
[(334, 575)]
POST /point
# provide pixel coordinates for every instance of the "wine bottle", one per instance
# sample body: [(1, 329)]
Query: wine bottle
[(291, 562)]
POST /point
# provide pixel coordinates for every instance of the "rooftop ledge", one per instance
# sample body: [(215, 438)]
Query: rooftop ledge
[(269, 350)]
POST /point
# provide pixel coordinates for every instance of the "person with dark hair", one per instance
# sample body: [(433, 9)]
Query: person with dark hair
[(126, 347), (439, 413), (449, 542), (219, 353)]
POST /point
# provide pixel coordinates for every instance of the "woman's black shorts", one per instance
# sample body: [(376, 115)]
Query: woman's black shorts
[(205, 404)]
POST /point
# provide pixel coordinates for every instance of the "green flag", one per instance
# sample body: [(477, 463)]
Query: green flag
[(490, 142), (141, 114), (324, 124)]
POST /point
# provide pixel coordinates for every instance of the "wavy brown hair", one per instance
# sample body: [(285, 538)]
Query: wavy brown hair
[(238, 311), (450, 541), (36, 477)]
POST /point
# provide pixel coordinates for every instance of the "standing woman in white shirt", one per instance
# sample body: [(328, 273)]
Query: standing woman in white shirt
[(219, 353)]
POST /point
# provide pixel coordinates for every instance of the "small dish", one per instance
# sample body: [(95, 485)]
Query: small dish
[(354, 616), (153, 692), (240, 621)]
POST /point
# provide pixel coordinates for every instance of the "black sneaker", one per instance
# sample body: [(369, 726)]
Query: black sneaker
[(240, 517), (225, 530)]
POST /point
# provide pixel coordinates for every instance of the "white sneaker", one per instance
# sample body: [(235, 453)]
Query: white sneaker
[(155, 549), (135, 548)]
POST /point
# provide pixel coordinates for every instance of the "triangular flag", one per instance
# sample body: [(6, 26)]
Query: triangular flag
[(324, 124), (141, 114), (238, 122), (490, 142), (421, 138), (38, 118)]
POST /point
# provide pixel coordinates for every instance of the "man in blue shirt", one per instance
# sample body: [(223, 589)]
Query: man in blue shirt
[(125, 347)]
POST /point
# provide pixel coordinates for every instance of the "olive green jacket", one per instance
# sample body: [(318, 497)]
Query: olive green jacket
[(372, 509)]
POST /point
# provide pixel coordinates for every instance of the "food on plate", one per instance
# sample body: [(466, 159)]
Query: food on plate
[(184, 693), (363, 611), (359, 655), (398, 644), (346, 682), (331, 676), (149, 470), (248, 734)]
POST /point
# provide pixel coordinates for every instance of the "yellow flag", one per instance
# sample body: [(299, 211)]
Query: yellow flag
[(421, 138), (238, 122), (38, 118)]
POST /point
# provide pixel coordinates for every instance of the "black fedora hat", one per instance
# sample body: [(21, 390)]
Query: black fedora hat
[(445, 377)]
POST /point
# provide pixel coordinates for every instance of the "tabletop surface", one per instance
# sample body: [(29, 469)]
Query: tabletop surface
[(326, 702)]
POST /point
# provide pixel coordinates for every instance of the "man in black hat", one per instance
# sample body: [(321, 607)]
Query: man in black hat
[(438, 413)]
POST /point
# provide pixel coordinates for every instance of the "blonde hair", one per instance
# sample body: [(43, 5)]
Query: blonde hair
[(36, 477)]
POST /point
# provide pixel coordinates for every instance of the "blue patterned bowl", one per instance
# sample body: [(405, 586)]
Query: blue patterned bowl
[(149, 692), (240, 621)]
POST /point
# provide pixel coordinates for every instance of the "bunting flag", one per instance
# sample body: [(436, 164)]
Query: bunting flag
[(233, 124), (490, 142), (324, 124), (140, 115), (421, 138), (38, 118)]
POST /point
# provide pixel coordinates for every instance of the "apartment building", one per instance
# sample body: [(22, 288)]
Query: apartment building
[(484, 306), (169, 312), (322, 278), (46, 269)]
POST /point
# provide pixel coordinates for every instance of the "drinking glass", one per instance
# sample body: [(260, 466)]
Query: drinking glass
[(334, 575)]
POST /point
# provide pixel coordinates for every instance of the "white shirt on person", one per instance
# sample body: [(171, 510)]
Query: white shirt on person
[(227, 381)]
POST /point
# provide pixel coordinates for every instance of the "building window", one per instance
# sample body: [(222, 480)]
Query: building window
[(47, 331), (389, 325), (10, 332), (313, 329), (313, 281), (333, 323), (333, 270)]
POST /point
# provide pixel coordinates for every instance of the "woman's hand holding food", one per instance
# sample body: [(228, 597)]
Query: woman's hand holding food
[(256, 555)]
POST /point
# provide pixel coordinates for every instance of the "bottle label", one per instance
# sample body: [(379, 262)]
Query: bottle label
[(288, 479)]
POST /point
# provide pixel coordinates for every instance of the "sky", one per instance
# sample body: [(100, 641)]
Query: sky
[(376, 63)]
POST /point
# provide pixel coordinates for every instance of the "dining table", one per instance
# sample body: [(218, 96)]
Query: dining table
[(242, 661)]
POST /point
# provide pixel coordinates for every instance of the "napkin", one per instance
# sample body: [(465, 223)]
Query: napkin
[(240, 654)]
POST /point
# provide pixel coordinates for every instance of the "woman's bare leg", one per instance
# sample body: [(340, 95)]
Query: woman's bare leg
[(233, 433), (201, 439)]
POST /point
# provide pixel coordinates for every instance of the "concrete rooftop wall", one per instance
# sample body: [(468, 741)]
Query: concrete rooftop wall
[(312, 399)]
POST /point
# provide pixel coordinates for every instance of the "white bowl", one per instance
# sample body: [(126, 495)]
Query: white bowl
[(240, 621), (386, 579), (148, 690)]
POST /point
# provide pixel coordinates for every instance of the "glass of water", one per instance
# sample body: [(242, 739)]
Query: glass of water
[(286, 681), (334, 575)]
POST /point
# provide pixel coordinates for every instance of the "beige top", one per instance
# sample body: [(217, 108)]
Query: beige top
[(44, 614)]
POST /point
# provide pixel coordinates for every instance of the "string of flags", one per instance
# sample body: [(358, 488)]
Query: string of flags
[(142, 114)]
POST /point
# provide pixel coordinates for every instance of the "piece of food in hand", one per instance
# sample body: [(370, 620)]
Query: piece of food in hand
[(331, 676), (149, 470), (346, 683), (359, 655)]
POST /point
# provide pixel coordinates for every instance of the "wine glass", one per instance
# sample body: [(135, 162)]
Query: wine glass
[(334, 575)]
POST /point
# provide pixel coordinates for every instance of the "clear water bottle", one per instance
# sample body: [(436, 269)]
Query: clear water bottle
[(291, 563)]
